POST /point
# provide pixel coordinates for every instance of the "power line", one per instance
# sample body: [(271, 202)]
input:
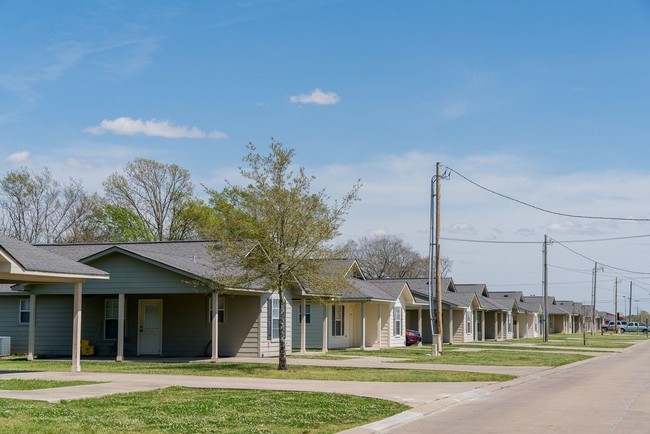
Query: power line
[(468, 240), (630, 219)]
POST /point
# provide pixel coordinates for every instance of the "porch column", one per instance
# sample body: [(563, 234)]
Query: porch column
[(502, 329), (32, 327), (303, 326), (325, 326), (483, 326), (214, 355), (120, 328), (76, 329), (496, 325), (451, 326), (379, 324), (363, 326), (420, 323)]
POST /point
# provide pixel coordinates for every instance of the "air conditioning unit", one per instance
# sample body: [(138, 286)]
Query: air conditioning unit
[(5, 345)]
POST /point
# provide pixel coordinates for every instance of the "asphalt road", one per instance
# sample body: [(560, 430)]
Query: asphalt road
[(610, 394)]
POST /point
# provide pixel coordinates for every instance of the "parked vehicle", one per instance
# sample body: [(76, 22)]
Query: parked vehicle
[(610, 327), (634, 327), (413, 337)]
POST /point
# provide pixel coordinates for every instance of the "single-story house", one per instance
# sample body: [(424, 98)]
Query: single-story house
[(559, 320), (156, 303), (525, 315), (364, 314)]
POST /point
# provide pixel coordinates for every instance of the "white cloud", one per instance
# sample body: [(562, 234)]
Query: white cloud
[(316, 97), (126, 126), (18, 158)]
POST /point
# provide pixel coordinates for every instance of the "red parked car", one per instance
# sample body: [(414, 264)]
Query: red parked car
[(413, 337)]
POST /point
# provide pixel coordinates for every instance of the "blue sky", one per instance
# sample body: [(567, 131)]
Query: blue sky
[(544, 101)]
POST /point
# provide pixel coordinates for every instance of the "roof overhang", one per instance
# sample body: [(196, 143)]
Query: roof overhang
[(12, 272)]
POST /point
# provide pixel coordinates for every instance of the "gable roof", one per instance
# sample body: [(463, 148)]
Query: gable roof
[(551, 307), (394, 288), (24, 263), (480, 289), (483, 297)]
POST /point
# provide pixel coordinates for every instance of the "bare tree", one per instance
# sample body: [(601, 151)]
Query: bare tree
[(388, 256), (35, 208), (160, 195)]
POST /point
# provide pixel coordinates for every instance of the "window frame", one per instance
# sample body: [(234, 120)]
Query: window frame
[(469, 321), (338, 320), (22, 310), (116, 310), (307, 313), (274, 330), (398, 329), (221, 310)]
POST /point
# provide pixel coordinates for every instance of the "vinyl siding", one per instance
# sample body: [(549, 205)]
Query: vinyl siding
[(9, 326), (54, 326), (271, 348), (458, 326), (129, 276), (314, 330)]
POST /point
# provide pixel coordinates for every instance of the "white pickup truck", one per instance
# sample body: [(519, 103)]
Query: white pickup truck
[(634, 327), (610, 327)]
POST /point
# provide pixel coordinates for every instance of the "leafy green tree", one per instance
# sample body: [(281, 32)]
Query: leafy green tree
[(286, 225)]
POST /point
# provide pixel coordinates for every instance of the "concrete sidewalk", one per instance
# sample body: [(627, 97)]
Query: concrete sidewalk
[(412, 394), (424, 398)]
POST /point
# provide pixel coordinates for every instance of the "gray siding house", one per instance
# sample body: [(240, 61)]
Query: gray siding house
[(156, 303)]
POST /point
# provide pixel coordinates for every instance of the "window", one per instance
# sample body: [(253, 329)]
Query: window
[(23, 311), (111, 309), (468, 322), (274, 319), (397, 320), (221, 309), (307, 313), (338, 320)]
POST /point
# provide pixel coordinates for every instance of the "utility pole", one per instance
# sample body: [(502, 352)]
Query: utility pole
[(438, 268), (545, 289), (593, 315), (616, 305), (628, 318), (434, 265)]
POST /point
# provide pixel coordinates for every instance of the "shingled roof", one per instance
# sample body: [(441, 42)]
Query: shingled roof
[(22, 262)]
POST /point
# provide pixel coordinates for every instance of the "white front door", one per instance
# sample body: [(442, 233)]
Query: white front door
[(150, 327), (340, 317)]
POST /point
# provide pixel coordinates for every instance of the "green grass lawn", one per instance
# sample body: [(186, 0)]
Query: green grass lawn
[(18, 384), (484, 356), (622, 340), (257, 370), (184, 410)]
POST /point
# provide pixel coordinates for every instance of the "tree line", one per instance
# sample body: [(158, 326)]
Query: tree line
[(153, 201)]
